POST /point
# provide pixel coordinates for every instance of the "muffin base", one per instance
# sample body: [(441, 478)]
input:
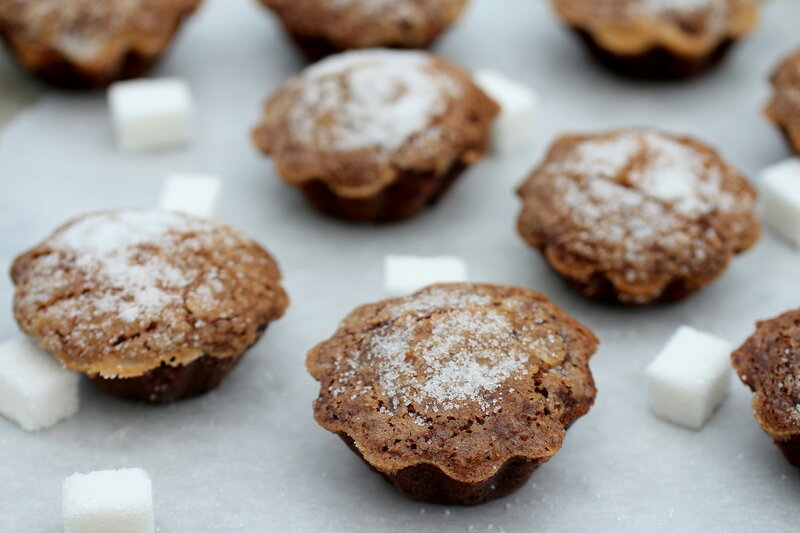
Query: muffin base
[(167, 384), (316, 48), (601, 289), (427, 483), (791, 450), (657, 63), (403, 199)]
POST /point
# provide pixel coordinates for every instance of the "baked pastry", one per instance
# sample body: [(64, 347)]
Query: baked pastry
[(151, 305), (376, 135), (769, 363), (637, 216), (323, 27), (457, 393), (784, 109), (659, 38), (90, 43)]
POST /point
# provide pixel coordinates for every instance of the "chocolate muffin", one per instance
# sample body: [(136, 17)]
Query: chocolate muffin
[(376, 135), (457, 393), (637, 216), (151, 305), (784, 109), (659, 38), (769, 363), (90, 43), (323, 27)]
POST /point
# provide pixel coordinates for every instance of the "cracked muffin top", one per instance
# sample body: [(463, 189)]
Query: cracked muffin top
[(118, 293), (637, 215), (686, 27), (784, 109), (358, 120), (460, 376)]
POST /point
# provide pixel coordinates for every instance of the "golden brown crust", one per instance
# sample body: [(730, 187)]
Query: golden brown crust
[(462, 378), (637, 216), (359, 121), (784, 109), (118, 293), (86, 43), (352, 24), (633, 27)]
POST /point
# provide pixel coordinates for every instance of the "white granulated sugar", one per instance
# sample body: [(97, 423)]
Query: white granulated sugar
[(715, 12), (371, 99)]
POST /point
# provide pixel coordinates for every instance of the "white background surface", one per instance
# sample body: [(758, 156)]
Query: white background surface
[(249, 457)]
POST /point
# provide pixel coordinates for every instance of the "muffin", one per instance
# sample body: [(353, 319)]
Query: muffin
[(376, 135), (87, 43), (784, 109), (457, 393), (659, 38), (636, 216), (323, 27), (150, 305), (769, 363)]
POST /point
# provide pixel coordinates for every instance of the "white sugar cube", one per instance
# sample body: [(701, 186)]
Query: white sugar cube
[(514, 127), (781, 198), (404, 274), (690, 377), (118, 501), (35, 391), (196, 195), (151, 114)]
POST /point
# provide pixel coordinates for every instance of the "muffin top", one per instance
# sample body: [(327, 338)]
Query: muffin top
[(358, 120), (641, 208), (461, 376), (90, 33), (686, 27), (785, 105), (368, 23), (769, 363), (118, 293)]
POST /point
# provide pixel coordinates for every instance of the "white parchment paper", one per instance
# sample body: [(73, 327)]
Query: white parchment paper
[(249, 457)]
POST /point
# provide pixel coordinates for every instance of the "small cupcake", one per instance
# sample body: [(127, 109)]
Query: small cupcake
[(637, 216), (150, 305), (457, 393), (323, 27), (659, 38), (376, 135), (784, 109), (90, 43), (769, 363)]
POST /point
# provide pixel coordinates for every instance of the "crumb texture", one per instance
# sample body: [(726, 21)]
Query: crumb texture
[(118, 293), (463, 377), (637, 215), (784, 109)]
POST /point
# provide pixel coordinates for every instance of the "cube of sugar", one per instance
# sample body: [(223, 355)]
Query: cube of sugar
[(35, 391), (514, 127), (151, 114), (404, 274), (781, 198), (118, 501), (690, 377), (196, 195)]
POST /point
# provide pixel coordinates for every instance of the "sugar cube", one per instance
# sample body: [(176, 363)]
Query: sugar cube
[(151, 114), (404, 274), (514, 127), (690, 377), (109, 500), (193, 194), (781, 198), (35, 391)]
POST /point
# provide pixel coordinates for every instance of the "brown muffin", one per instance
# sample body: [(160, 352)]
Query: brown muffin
[(769, 363), (784, 109), (151, 305), (323, 27), (457, 393), (637, 216), (90, 43), (659, 38), (376, 135)]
